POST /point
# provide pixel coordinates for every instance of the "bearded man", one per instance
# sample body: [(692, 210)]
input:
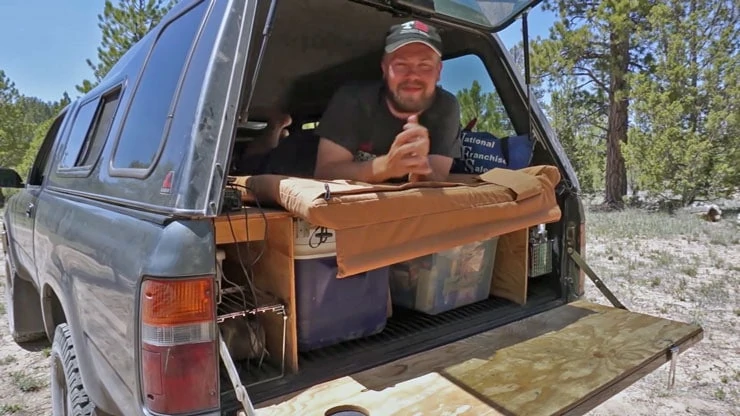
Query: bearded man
[(404, 127)]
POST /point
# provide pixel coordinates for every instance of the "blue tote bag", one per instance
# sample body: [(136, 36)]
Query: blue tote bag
[(482, 151)]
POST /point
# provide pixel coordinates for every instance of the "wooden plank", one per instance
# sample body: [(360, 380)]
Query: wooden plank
[(247, 225), (589, 403), (548, 374), (273, 273), (430, 394), (549, 364), (510, 270)]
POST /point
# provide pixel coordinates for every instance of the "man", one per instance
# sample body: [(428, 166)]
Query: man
[(402, 128), (256, 155)]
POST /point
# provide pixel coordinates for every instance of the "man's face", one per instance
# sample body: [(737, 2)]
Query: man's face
[(411, 74)]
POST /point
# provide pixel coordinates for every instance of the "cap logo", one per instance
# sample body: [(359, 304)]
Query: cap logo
[(421, 26), (415, 26)]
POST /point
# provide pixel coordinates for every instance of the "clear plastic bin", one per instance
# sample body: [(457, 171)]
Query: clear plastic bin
[(445, 280)]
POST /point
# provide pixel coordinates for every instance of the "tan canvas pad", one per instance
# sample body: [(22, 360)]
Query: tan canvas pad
[(378, 225)]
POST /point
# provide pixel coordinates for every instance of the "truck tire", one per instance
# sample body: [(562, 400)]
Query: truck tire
[(68, 395)]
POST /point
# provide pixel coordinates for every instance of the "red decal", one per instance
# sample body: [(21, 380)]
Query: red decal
[(167, 183), (421, 26)]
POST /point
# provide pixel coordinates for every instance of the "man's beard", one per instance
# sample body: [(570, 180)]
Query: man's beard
[(408, 105)]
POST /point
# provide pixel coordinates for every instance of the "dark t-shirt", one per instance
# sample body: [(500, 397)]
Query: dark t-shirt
[(358, 119)]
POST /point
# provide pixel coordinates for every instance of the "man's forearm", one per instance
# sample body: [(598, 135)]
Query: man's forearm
[(370, 171), (432, 177)]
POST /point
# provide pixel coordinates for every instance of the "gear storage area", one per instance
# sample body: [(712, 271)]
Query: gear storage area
[(300, 300), (344, 275)]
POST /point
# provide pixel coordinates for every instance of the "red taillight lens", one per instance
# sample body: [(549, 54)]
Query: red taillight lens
[(179, 351)]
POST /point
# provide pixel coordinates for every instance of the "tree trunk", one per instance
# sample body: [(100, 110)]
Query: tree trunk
[(616, 172)]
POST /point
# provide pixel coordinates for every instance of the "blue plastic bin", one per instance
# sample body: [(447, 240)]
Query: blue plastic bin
[(331, 310)]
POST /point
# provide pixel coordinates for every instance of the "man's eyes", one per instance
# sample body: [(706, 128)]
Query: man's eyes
[(406, 67)]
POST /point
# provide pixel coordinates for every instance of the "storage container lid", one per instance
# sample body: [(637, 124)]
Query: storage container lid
[(312, 241)]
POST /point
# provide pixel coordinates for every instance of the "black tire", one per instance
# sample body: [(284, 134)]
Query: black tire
[(68, 396)]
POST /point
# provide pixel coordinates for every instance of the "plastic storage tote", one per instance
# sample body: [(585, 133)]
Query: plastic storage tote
[(331, 310), (445, 280)]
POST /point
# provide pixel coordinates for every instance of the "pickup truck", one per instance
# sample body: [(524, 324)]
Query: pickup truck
[(125, 242)]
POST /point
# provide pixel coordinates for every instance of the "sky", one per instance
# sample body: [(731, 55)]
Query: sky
[(44, 44), (460, 74)]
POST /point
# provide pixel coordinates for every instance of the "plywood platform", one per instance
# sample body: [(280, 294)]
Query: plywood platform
[(247, 225), (265, 239), (564, 361)]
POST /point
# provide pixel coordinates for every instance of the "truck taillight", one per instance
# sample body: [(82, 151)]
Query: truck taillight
[(179, 351)]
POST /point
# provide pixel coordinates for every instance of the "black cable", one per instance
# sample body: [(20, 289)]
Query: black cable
[(247, 275), (322, 233), (264, 218)]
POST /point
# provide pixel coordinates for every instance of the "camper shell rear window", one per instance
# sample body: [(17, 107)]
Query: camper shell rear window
[(493, 15)]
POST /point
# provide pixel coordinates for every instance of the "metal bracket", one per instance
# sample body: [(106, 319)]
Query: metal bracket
[(672, 371), (599, 284)]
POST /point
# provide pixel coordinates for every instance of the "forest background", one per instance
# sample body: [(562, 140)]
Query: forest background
[(644, 95)]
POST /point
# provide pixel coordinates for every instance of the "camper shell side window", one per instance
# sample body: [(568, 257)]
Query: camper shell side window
[(147, 119), (89, 133)]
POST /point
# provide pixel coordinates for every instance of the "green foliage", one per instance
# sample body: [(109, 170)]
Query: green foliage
[(122, 25), (20, 117), (685, 143), (592, 46), (14, 127), (487, 108), (30, 155), (35, 110), (576, 120)]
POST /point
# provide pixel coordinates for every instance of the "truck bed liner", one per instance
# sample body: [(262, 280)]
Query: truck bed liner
[(407, 332)]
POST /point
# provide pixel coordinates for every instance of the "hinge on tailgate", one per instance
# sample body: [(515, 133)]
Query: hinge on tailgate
[(599, 284), (672, 371)]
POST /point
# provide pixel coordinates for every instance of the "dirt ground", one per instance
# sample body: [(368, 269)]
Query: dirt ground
[(676, 267)]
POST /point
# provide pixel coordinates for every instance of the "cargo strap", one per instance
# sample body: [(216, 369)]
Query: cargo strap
[(599, 284)]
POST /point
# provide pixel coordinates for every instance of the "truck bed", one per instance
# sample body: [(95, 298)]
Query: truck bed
[(407, 332)]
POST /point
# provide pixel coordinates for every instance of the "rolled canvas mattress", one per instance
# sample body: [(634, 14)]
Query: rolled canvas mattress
[(379, 225)]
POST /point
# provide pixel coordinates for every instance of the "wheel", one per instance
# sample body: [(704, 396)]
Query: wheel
[(68, 396)]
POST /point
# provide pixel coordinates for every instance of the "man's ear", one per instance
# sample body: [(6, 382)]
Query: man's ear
[(439, 71)]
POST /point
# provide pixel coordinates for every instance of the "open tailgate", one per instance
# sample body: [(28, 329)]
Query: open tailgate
[(564, 361)]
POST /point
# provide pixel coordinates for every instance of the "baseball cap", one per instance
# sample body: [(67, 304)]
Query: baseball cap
[(411, 32)]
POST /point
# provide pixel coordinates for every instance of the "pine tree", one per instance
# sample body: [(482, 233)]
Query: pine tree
[(576, 116), (123, 25), (486, 107), (594, 43), (14, 128), (686, 140)]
